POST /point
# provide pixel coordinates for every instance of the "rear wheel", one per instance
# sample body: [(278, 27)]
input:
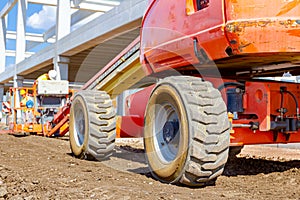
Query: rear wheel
[(92, 125), (186, 131)]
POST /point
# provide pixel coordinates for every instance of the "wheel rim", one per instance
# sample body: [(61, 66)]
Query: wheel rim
[(166, 133), (79, 127)]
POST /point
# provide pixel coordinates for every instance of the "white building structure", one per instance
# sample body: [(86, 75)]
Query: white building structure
[(86, 36)]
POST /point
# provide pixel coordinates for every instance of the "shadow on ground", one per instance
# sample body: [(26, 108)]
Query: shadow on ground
[(253, 166), (234, 167)]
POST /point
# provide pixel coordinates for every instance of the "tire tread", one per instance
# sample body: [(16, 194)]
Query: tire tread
[(102, 124), (209, 135)]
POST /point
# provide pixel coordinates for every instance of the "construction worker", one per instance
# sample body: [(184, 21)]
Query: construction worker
[(25, 99), (51, 75), (27, 102)]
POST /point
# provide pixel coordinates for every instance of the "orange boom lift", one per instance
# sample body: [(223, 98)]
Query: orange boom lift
[(197, 68), (44, 112)]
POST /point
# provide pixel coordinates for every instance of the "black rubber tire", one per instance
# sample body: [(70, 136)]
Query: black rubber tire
[(95, 122), (204, 132)]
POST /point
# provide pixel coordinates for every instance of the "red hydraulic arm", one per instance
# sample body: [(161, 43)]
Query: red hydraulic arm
[(61, 120)]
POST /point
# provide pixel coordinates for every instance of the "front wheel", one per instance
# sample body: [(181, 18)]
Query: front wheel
[(92, 125), (186, 133)]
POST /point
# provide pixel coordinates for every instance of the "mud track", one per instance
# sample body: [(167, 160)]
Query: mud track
[(34, 167)]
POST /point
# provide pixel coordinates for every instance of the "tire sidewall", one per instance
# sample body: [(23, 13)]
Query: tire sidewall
[(170, 172), (78, 102)]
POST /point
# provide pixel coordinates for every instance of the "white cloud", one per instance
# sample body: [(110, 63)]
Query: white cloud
[(43, 19)]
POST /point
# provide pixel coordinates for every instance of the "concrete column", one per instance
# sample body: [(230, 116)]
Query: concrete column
[(21, 23), (18, 81), (63, 28), (2, 44), (1, 100), (62, 68), (63, 18), (20, 51)]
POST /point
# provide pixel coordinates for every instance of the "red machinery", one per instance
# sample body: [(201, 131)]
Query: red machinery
[(205, 55), (46, 115)]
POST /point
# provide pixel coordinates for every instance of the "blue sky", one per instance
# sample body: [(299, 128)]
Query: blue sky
[(39, 18)]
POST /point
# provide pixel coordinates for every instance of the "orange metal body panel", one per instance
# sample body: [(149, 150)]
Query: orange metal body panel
[(135, 103), (60, 126), (62, 113), (261, 102), (132, 124), (245, 136), (259, 26), (223, 29), (31, 128), (168, 32), (264, 100), (238, 34), (64, 129)]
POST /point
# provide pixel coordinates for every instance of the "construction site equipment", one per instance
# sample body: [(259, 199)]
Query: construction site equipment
[(205, 55), (42, 109), (195, 66)]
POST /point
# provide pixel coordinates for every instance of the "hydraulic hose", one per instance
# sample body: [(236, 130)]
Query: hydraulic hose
[(296, 102), (284, 90), (227, 84)]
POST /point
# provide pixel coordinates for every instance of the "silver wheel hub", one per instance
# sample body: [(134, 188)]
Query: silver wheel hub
[(79, 126), (167, 133)]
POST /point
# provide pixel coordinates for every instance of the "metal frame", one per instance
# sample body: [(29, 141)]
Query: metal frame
[(69, 15), (88, 34)]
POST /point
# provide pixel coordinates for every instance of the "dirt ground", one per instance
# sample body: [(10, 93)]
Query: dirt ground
[(35, 167)]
